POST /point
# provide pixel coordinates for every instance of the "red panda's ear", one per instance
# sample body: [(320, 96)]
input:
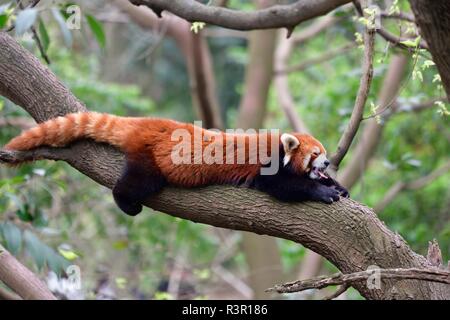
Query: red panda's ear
[(289, 142)]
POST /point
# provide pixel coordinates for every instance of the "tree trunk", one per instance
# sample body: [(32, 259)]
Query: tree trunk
[(258, 75), (433, 19), (347, 233), (261, 253)]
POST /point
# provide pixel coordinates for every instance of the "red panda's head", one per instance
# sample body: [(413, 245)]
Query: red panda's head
[(304, 154)]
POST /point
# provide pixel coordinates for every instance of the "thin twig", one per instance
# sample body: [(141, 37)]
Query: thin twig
[(433, 275), (36, 37), (338, 292), (419, 183), (397, 40), (416, 107), (38, 41), (20, 122), (314, 29), (316, 60), (400, 16), (387, 106), (361, 98)]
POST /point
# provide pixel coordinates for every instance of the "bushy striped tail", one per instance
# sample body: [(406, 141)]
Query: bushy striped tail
[(60, 131)]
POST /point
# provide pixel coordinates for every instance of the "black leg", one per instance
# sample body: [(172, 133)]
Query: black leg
[(140, 179), (330, 182), (287, 187)]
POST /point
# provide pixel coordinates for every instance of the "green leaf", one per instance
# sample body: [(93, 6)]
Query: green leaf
[(62, 25), (408, 43), (436, 78), (68, 254), (35, 248), (3, 20), (55, 262), (25, 20), (163, 296), (411, 43), (12, 236), (24, 213), (197, 26), (427, 63), (45, 39), (121, 282), (97, 30)]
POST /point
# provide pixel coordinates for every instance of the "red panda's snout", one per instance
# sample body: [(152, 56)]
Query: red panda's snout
[(305, 154), (318, 166)]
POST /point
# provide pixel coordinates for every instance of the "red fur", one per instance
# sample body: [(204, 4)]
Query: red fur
[(152, 137)]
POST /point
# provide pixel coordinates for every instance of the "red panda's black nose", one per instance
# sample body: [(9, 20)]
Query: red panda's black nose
[(326, 163)]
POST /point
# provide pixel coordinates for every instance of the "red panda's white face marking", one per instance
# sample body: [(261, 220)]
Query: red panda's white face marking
[(305, 154), (318, 166)]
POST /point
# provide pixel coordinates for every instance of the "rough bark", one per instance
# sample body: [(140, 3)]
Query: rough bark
[(277, 16), (433, 19), (346, 233)]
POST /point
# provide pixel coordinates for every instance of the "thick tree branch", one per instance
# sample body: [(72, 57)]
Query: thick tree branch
[(279, 16), (431, 274), (346, 233), (361, 98), (21, 280)]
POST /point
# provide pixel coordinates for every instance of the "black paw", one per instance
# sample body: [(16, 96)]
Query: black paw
[(328, 195), (342, 191), (125, 202), (131, 209)]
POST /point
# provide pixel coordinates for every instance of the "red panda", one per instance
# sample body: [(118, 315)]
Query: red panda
[(150, 150)]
